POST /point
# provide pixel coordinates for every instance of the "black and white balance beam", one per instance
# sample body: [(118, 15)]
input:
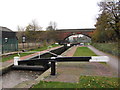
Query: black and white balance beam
[(66, 59), (53, 60)]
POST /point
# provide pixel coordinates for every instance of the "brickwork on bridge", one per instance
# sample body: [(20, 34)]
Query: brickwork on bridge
[(64, 33)]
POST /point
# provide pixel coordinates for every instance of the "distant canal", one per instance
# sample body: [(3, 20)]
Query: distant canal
[(15, 77)]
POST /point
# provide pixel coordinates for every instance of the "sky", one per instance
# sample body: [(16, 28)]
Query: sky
[(68, 14)]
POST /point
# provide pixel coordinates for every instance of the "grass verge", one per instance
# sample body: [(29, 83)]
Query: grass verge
[(9, 57), (111, 48), (84, 82), (84, 51)]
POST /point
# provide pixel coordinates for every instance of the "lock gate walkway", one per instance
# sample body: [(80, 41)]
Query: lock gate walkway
[(6, 64)]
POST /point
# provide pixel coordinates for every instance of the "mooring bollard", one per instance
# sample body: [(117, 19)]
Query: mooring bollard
[(16, 59), (53, 68)]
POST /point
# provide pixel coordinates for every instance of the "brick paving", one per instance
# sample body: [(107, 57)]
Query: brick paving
[(71, 71), (70, 52)]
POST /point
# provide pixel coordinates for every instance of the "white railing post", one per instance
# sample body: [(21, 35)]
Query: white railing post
[(16, 59)]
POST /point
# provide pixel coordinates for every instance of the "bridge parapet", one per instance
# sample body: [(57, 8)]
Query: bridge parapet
[(76, 30)]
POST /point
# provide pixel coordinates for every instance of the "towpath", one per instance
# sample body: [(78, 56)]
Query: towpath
[(71, 71), (114, 61)]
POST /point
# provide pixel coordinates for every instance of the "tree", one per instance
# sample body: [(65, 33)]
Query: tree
[(31, 30), (52, 26), (112, 8), (108, 22), (20, 33), (49, 28), (33, 26)]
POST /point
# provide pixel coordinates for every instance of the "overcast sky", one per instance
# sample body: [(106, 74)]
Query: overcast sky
[(72, 14)]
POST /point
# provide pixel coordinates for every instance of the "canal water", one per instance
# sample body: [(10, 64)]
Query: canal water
[(14, 77)]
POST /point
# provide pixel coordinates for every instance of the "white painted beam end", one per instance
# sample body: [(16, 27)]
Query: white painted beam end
[(99, 59), (16, 59)]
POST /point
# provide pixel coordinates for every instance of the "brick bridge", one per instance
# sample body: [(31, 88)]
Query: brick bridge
[(62, 34)]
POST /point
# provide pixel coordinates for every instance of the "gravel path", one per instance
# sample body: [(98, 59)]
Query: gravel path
[(71, 71), (114, 61)]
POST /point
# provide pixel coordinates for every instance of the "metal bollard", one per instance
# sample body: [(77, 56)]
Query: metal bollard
[(53, 69), (16, 59)]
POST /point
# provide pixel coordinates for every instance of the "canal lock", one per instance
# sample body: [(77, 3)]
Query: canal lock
[(14, 76)]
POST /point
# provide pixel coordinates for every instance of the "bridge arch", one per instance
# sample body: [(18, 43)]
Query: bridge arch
[(76, 34), (65, 33)]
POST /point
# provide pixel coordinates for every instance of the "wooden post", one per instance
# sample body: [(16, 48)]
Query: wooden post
[(53, 69)]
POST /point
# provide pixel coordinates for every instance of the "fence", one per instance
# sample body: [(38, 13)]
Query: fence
[(28, 46)]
